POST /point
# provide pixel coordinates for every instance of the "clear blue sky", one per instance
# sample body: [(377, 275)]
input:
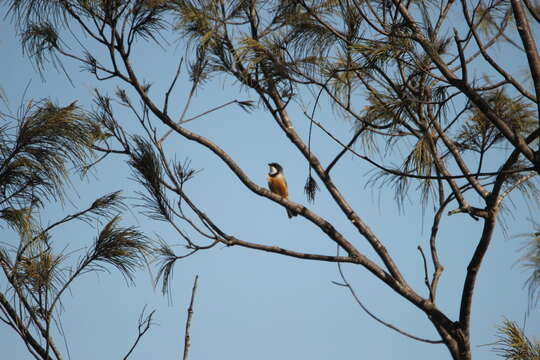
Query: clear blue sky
[(253, 305)]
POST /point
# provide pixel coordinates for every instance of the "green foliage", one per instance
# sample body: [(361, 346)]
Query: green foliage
[(195, 20), (166, 258), (39, 38), (124, 248), (40, 149), (489, 16), (37, 152), (148, 172), (307, 38), (40, 273), (514, 345), (20, 220), (420, 161), (479, 134)]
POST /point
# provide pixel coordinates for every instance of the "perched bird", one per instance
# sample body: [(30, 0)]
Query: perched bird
[(278, 185)]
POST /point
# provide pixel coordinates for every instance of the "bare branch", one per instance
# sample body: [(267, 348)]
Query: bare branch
[(527, 38), (376, 318), (188, 320), (144, 325), (426, 278)]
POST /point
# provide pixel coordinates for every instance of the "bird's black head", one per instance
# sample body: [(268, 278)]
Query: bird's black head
[(275, 168)]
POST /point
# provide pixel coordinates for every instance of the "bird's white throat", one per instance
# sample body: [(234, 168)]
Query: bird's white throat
[(273, 170)]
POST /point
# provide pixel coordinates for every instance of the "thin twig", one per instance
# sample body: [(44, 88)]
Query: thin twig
[(345, 148), (393, 327), (400, 173), (144, 325), (426, 278), (168, 93), (180, 122), (520, 181)]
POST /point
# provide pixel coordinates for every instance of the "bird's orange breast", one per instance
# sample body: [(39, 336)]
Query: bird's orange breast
[(278, 185)]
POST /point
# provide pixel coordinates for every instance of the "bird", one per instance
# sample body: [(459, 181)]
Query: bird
[(278, 185)]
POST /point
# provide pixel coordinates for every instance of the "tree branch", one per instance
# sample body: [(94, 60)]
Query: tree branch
[(529, 44), (23, 332), (144, 325), (375, 317), (188, 321)]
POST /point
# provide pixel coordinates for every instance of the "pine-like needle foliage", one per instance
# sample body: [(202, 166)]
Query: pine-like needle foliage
[(36, 156), (40, 148), (148, 172), (123, 247), (40, 272), (166, 258), (514, 345), (479, 134)]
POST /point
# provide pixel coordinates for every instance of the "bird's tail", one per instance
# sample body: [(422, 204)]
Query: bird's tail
[(291, 213)]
